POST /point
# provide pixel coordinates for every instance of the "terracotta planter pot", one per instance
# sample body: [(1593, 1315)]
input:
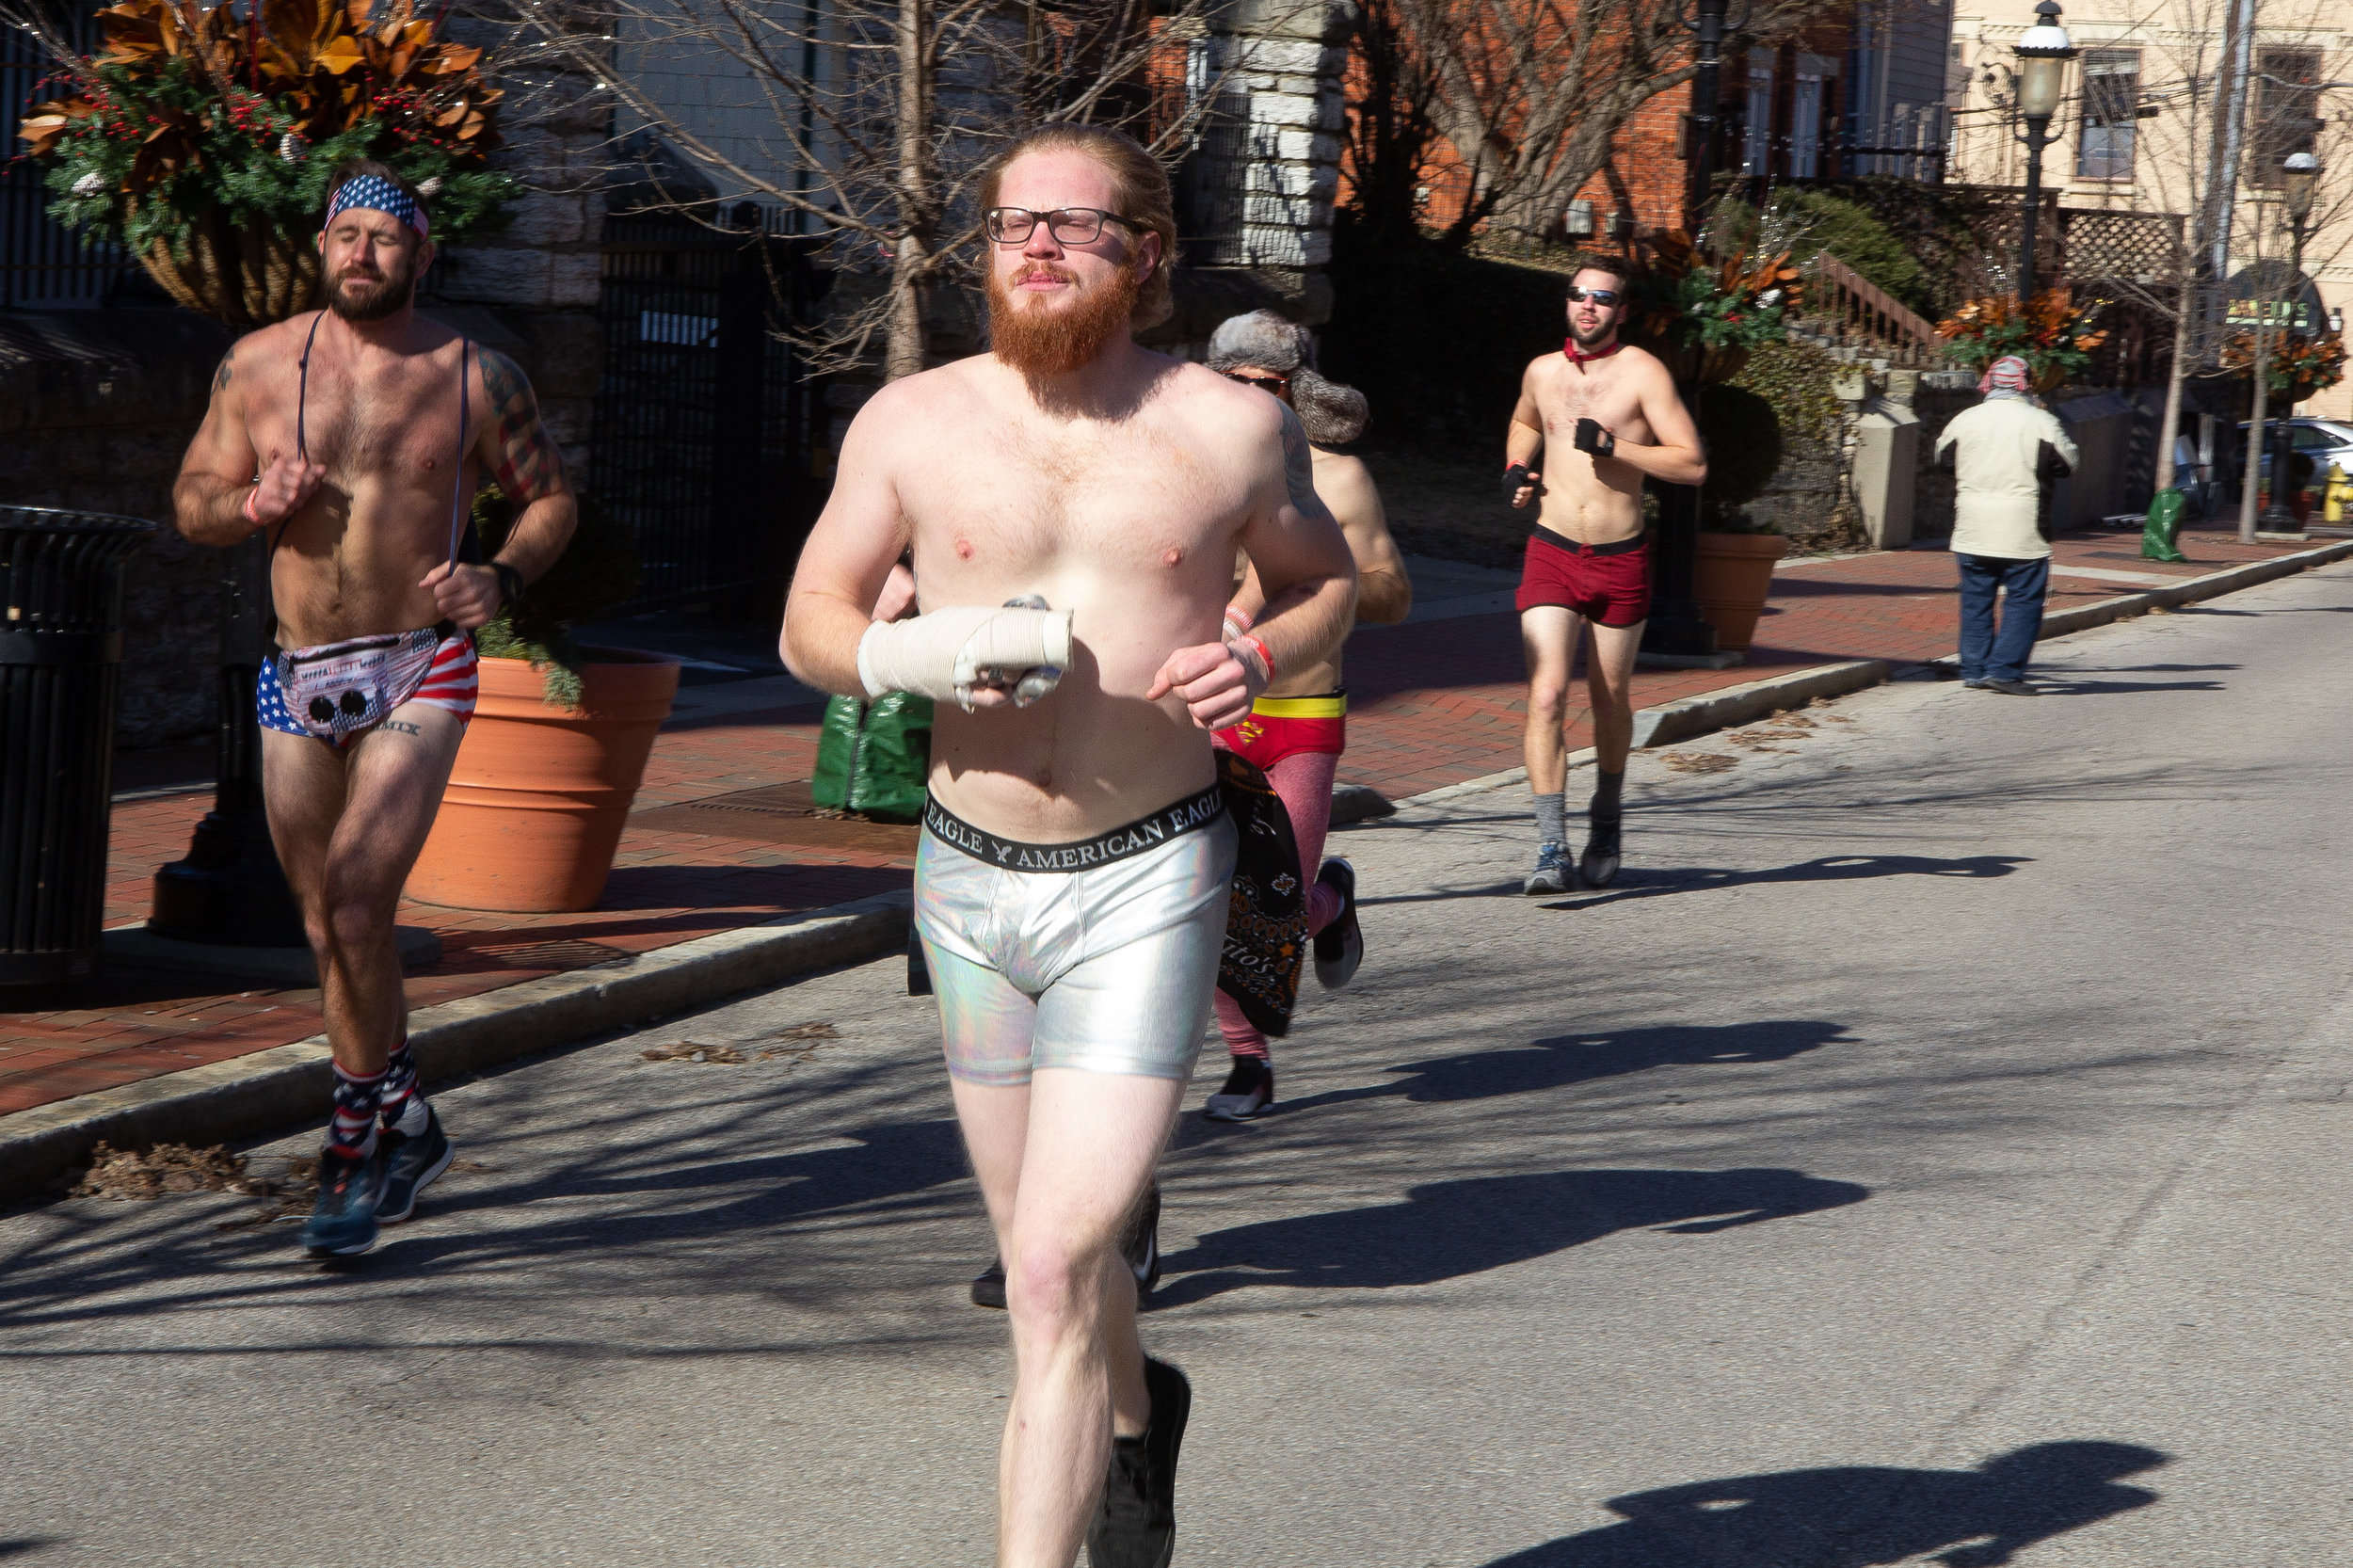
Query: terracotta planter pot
[(1731, 576), (536, 801)]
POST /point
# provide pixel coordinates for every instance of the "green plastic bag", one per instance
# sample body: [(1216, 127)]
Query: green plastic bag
[(875, 757), (2162, 526)]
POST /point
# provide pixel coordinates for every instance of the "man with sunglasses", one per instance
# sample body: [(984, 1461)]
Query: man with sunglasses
[(1594, 422), (1074, 503)]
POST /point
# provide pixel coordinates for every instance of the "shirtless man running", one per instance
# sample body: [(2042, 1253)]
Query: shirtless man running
[(1593, 422), (1297, 731), (1070, 889), (356, 435)]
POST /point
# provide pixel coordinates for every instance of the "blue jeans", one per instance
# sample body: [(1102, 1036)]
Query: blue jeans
[(1986, 654)]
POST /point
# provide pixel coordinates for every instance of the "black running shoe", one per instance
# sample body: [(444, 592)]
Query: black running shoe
[(1249, 1092), (1140, 1243), (343, 1223), (988, 1286), (1135, 1527), (1598, 865), (411, 1164), (1340, 946)]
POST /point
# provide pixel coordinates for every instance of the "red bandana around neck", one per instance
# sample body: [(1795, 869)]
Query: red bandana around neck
[(1577, 355)]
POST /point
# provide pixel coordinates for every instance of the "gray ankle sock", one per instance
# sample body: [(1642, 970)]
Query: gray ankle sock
[(1549, 827)]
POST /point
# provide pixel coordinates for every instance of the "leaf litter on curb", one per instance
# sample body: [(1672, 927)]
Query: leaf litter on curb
[(804, 1040), (1699, 762)]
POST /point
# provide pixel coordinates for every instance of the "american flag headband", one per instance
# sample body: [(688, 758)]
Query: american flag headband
[(379, 195)]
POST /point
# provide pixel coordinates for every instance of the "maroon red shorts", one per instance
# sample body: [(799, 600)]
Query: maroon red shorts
[(1609, 584)]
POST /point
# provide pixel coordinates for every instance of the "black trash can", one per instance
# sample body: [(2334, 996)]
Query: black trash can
[(61, 663)]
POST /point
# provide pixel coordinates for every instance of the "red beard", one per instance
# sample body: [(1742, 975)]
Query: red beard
[(1058, 340)]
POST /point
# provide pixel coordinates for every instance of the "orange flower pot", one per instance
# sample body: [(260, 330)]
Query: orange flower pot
[(1732, 574), (539, 796)]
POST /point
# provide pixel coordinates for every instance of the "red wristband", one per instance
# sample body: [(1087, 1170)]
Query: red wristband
[(250, 497), (1264, 657)]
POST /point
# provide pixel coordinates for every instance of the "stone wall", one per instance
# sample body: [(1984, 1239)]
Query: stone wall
[(1941, 394)]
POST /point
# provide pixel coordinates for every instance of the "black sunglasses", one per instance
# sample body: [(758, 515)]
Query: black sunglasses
[(1603, 297), (1069, 225), (1275, 384)]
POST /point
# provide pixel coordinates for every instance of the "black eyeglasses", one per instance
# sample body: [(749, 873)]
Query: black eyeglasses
[(1069, 225), (1603, 297), (1275, 384)]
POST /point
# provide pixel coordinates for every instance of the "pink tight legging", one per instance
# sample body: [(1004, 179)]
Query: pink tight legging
[(1304, 779)]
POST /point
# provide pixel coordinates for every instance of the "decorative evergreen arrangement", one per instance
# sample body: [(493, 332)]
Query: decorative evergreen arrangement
[(203, 140), (2295, 364), (2052, 334), (598, 569), (1704, 315)]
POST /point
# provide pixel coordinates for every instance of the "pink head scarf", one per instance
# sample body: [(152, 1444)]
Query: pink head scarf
[(2007, 376)]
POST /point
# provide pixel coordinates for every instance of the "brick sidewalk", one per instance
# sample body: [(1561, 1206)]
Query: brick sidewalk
[(1432, 703)]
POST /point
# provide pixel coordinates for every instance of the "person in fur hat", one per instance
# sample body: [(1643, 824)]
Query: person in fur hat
[(1297, 728)]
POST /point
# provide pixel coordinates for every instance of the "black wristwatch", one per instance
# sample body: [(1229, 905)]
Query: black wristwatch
[(510, 584)]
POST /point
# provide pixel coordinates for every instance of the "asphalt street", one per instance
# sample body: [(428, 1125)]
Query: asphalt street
[(1933, 1150)]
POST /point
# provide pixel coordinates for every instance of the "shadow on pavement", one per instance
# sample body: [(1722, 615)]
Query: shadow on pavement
[(1446, 1229), (28, 1544), (1826, 868), (1566, 1059), (1857, 1516)]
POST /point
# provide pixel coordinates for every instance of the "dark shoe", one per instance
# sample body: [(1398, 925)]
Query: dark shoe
[(1973, 683), (1340, 946), (1249, 1092), (1598, 865), (411, 1161), (1135, 1527), (1140, 1243), (988, 1286), (2012, 688), (343, 1223), (1552, 873)]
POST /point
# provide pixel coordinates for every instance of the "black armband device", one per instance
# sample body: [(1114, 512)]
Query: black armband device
[(1593, 439), (510, 584)]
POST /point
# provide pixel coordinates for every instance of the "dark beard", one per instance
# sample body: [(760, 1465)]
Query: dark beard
[(1058, 341), (382, 297), (1599, 338)]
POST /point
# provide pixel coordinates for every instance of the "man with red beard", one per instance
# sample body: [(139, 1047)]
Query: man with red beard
[(1074, 503), (356, 435)]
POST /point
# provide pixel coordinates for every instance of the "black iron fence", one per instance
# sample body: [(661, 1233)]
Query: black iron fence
[(43, 265), (705, 424)]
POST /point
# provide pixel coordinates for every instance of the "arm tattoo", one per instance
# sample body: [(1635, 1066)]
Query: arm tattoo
[(522, 457), (221, 376), (1299, 469)]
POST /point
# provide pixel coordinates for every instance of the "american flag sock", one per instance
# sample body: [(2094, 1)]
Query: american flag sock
[(352, 1134), (402, 1108)]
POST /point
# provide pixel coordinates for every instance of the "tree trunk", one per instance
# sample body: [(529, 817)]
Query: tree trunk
[(2251, 466), (907, 347), (2174, 375)]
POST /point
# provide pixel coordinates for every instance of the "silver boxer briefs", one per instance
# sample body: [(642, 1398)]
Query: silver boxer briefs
[(1099, 955)]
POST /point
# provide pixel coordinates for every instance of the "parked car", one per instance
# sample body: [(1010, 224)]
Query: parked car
[(2324, 440)]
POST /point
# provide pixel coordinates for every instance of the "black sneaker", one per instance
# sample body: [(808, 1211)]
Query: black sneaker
[(2012, 688), (1249, 1092), (343, 1223), (988, 1286), (1340, 946), (1598, 865), (411, 1161), (1140, 1243), (1135, 1526)]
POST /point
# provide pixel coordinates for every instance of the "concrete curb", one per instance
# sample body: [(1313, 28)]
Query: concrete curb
[(1697, 715), (2190, 591), (270, 1089)]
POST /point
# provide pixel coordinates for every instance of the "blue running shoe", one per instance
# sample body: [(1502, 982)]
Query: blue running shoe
[(411, 1161), (1553, 873), (342, 1224)]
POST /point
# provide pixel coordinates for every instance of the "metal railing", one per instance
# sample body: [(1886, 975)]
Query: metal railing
[(43, 265)]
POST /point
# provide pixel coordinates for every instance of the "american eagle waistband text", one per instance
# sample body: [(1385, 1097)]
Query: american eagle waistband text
[(1188, 815)]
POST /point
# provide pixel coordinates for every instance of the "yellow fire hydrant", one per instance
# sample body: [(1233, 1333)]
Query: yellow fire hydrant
[(2336, 496)]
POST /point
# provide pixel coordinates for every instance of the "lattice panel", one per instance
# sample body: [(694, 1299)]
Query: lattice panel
[(2139, 247)]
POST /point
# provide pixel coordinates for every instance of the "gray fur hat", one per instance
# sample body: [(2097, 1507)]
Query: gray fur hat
[(1334, 415)]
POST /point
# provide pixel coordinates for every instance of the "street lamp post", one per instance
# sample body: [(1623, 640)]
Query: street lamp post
[(2299, 180), (1706, 101), (2042, 57)]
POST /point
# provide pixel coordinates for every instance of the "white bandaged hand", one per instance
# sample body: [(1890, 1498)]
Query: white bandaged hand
[(949, 652)]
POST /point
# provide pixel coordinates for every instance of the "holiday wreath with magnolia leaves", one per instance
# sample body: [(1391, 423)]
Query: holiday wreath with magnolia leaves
[(203, 140)]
